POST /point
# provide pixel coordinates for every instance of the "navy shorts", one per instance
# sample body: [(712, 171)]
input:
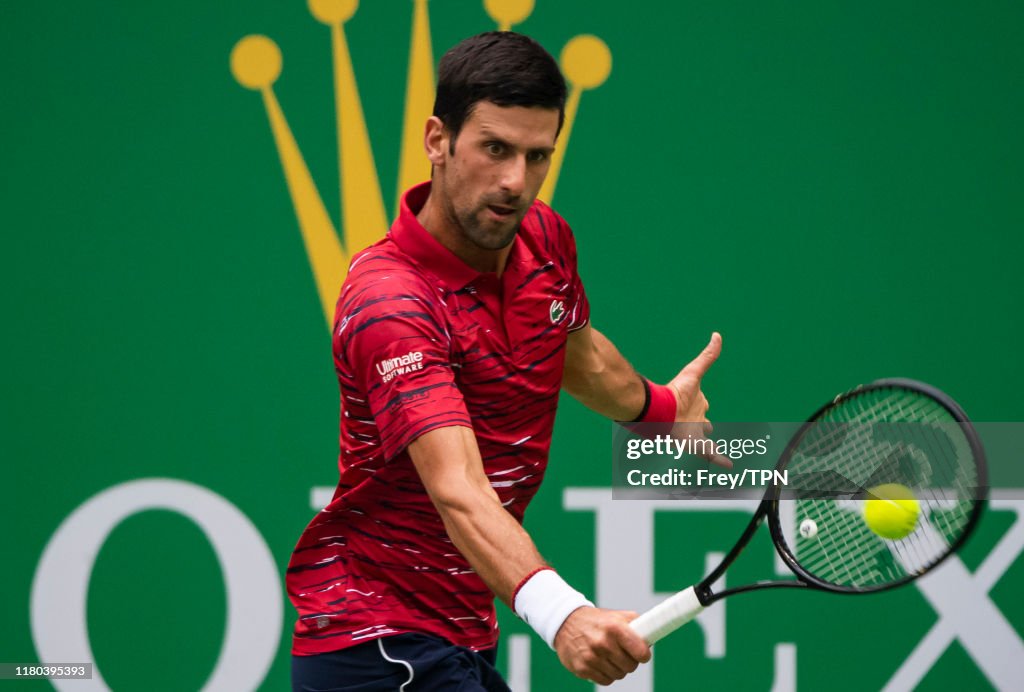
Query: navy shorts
[(401, 663)]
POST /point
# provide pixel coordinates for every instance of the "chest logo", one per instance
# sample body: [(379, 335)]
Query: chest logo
[(557, 311)]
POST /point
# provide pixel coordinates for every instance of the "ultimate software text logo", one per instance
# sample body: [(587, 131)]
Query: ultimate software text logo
[(256, 64)]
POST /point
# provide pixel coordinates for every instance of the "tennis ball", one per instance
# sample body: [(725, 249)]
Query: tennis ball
[(891, 511), (808, 528)]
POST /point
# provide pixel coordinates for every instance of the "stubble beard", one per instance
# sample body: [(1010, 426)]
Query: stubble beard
[(485, 235)]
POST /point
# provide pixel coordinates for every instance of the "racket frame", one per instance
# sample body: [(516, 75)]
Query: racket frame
[(981, 491), (769, 508)]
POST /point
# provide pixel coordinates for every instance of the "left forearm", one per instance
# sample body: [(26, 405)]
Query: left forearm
[(600, 378)]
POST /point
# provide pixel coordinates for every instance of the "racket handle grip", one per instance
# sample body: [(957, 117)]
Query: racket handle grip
[(668, 616)]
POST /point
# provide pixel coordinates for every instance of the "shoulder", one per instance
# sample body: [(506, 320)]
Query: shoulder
[(548, 227), (384, 286), (549, 234), (546, 220), (382, 274)]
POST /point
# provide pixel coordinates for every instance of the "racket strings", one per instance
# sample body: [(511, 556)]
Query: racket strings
[(880, 437)]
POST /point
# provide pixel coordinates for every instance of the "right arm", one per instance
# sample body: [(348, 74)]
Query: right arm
[(593, 643), (499, 549)]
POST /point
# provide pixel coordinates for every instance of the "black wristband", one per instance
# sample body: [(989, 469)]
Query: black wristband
[(647, 400)]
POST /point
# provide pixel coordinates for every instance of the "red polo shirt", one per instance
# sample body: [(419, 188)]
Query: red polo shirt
[(423, 341)]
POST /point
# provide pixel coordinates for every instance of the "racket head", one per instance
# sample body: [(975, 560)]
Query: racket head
[(925, 444)]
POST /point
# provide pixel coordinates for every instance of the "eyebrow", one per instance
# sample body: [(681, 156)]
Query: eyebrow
[(489, 136)]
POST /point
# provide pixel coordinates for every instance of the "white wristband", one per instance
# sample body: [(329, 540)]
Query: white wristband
[(545, 600)]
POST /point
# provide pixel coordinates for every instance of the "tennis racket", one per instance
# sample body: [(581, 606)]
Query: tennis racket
[(892, 431)]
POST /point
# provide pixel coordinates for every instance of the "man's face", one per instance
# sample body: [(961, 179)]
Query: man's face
[(500, 159)]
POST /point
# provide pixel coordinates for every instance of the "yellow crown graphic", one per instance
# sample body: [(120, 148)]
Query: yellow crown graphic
[(256, 64)]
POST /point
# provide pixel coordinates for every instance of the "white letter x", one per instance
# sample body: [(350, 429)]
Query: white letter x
[(965, 611)]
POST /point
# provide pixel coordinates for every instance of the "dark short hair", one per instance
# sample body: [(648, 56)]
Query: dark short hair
[(503, 67)]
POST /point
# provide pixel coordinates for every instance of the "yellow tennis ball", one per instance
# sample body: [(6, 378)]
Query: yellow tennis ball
[(891, 511)]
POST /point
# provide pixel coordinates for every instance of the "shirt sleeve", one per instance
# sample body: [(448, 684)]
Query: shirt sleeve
[(391, 333)]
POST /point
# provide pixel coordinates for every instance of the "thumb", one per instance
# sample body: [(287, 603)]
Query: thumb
[(700, 365)]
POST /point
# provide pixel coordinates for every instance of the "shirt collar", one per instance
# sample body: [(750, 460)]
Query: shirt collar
[(414, 240)]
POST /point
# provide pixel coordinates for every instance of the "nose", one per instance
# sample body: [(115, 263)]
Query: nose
[(513, 176)]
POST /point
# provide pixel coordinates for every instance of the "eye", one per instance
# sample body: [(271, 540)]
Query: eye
[(537, 156), (495, 148)]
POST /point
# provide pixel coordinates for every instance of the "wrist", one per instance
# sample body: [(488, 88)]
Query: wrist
[(659, 404), (544, 601)]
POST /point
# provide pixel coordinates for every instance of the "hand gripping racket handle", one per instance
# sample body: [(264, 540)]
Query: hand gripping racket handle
[(668, 616)]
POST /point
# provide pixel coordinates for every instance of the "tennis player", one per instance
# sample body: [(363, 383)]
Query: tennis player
[(452, 339)]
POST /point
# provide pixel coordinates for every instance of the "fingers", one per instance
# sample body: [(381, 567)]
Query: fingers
[(703, 445), (720, 460), (628, 648), (697, 430), (599, 645), (693, 404), (621, 654), (635, 645), (700, 365)]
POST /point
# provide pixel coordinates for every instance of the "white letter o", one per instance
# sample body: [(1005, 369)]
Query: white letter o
[(254, 607)]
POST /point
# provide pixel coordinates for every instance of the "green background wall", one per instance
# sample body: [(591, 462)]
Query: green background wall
[(836, 187)]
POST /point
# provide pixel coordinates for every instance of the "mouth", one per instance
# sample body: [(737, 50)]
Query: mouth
[(501, 211)]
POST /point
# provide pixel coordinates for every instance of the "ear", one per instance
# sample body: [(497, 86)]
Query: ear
[(435, 141)]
